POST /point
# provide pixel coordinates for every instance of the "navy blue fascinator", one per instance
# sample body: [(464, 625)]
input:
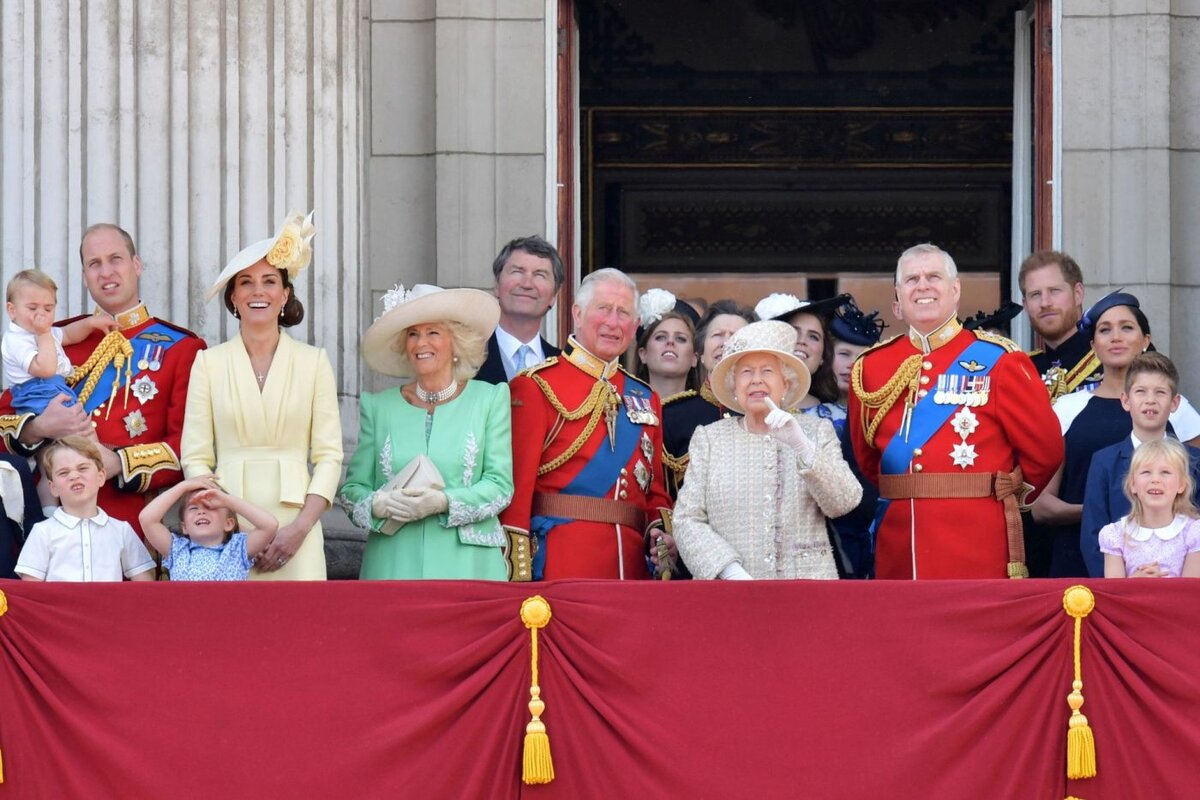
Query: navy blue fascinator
[(850, 324), (1087, 325)]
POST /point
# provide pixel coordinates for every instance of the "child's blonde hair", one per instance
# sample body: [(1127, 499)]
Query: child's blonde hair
[(1171, 451), (30, 277), (85, 447)]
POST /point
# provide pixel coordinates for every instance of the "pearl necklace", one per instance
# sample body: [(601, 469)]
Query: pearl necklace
[(433, 398)]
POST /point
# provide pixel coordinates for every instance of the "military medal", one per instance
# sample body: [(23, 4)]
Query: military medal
[(964, 424), (144, 361), (156, 359), (642, 473), (639, 411), (144, 389), (647, 447), (135, 424)]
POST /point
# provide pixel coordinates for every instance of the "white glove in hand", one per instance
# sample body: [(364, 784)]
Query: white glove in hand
[(734, 572), (786, 428), (422, 503), (391, 505)]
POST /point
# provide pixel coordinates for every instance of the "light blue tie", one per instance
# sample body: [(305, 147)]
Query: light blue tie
[(524, 357)]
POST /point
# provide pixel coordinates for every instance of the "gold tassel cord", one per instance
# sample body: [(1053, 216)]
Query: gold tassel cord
[(1078, 602), (113, 349), (537, 766)]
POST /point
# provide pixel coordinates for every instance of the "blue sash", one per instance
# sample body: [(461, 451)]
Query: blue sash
[(596, 477), (156, 334), (927, 417)]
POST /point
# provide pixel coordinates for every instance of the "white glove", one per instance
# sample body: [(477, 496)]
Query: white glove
[(786, 428), (391, 505), (734, 572), (421, 503)]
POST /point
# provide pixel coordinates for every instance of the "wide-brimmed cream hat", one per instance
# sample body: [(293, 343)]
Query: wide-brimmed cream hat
[(290, 249), (424, 304), (771, 336)]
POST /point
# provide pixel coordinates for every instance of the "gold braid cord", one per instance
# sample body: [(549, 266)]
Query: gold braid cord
[(602, 397), (113, 349), (885, 397)]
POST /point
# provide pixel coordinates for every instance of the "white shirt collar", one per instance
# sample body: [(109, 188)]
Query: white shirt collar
[(1140, 534), (70, 521), (509, 344)]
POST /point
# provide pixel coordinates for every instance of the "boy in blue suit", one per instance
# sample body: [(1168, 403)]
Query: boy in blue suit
[(1151, 394)]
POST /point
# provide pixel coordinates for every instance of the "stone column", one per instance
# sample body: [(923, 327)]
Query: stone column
[(1116, 158)]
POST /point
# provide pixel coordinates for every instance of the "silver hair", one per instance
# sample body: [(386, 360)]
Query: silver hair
[(790, 376), (606, 275), (927, 250)]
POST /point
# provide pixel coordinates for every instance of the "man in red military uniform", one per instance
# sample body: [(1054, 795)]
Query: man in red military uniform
[(956, 429), (133, 393), (587, 450)]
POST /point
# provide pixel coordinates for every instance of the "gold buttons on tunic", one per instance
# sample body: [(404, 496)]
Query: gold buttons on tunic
[(917, 451), (924, 379), (922, 393), (927, 365), (917, 467)]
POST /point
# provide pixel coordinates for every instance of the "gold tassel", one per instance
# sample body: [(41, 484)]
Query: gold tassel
[(537, 766), (1078, 602)]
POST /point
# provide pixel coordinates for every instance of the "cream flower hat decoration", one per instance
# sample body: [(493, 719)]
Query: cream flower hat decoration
[(290, 250)]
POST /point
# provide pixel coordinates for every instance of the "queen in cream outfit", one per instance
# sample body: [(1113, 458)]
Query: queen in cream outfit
[(262, 407), (759, 487)]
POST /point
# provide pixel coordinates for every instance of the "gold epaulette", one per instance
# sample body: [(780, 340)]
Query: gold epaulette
[(549, 362), (878, 345), (1008, 344), (629, 374), (684, 395), (1035, 353)]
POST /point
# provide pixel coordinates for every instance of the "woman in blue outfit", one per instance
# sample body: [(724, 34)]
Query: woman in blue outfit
[(1091, 421)]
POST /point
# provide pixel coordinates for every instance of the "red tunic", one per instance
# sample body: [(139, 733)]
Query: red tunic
[(148, 445), (582, 549), (955, 537)]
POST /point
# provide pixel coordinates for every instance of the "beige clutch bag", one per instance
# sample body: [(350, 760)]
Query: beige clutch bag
[(420, 473)]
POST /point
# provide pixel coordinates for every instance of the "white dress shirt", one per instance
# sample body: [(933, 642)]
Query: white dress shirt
[(68, 548), (509, 345)]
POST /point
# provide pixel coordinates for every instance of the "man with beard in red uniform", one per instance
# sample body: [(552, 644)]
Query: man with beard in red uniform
[(134, 389), (956, 429), (588, 494)]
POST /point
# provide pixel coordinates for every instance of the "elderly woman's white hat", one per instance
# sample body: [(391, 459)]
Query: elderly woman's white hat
[(290, 249), (424, 305), (772, 337)]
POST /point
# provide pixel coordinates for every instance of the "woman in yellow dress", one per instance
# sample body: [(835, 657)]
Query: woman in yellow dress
[(262, 407)]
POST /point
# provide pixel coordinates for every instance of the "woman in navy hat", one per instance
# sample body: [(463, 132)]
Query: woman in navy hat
[(1091, 421)]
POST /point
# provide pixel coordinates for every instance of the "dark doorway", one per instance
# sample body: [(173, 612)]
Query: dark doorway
[(736, 148)]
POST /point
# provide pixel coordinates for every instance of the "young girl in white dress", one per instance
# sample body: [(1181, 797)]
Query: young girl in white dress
[(1161, 536)]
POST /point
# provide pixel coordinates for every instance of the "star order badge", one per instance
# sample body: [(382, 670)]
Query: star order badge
[(135, 424), (963, 455), (144, 389), (642, 473), (647, 447), (964, 423)]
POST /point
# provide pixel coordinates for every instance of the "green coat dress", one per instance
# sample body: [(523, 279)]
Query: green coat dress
[(469, 439)]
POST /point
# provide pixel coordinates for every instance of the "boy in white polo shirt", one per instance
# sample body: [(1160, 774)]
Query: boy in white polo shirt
[(79, 542)]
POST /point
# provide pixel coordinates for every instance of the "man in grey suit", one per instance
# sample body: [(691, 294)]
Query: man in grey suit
[(528, 274)]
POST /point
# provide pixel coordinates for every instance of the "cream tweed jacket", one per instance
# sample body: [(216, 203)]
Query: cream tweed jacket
[(747, 498)]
